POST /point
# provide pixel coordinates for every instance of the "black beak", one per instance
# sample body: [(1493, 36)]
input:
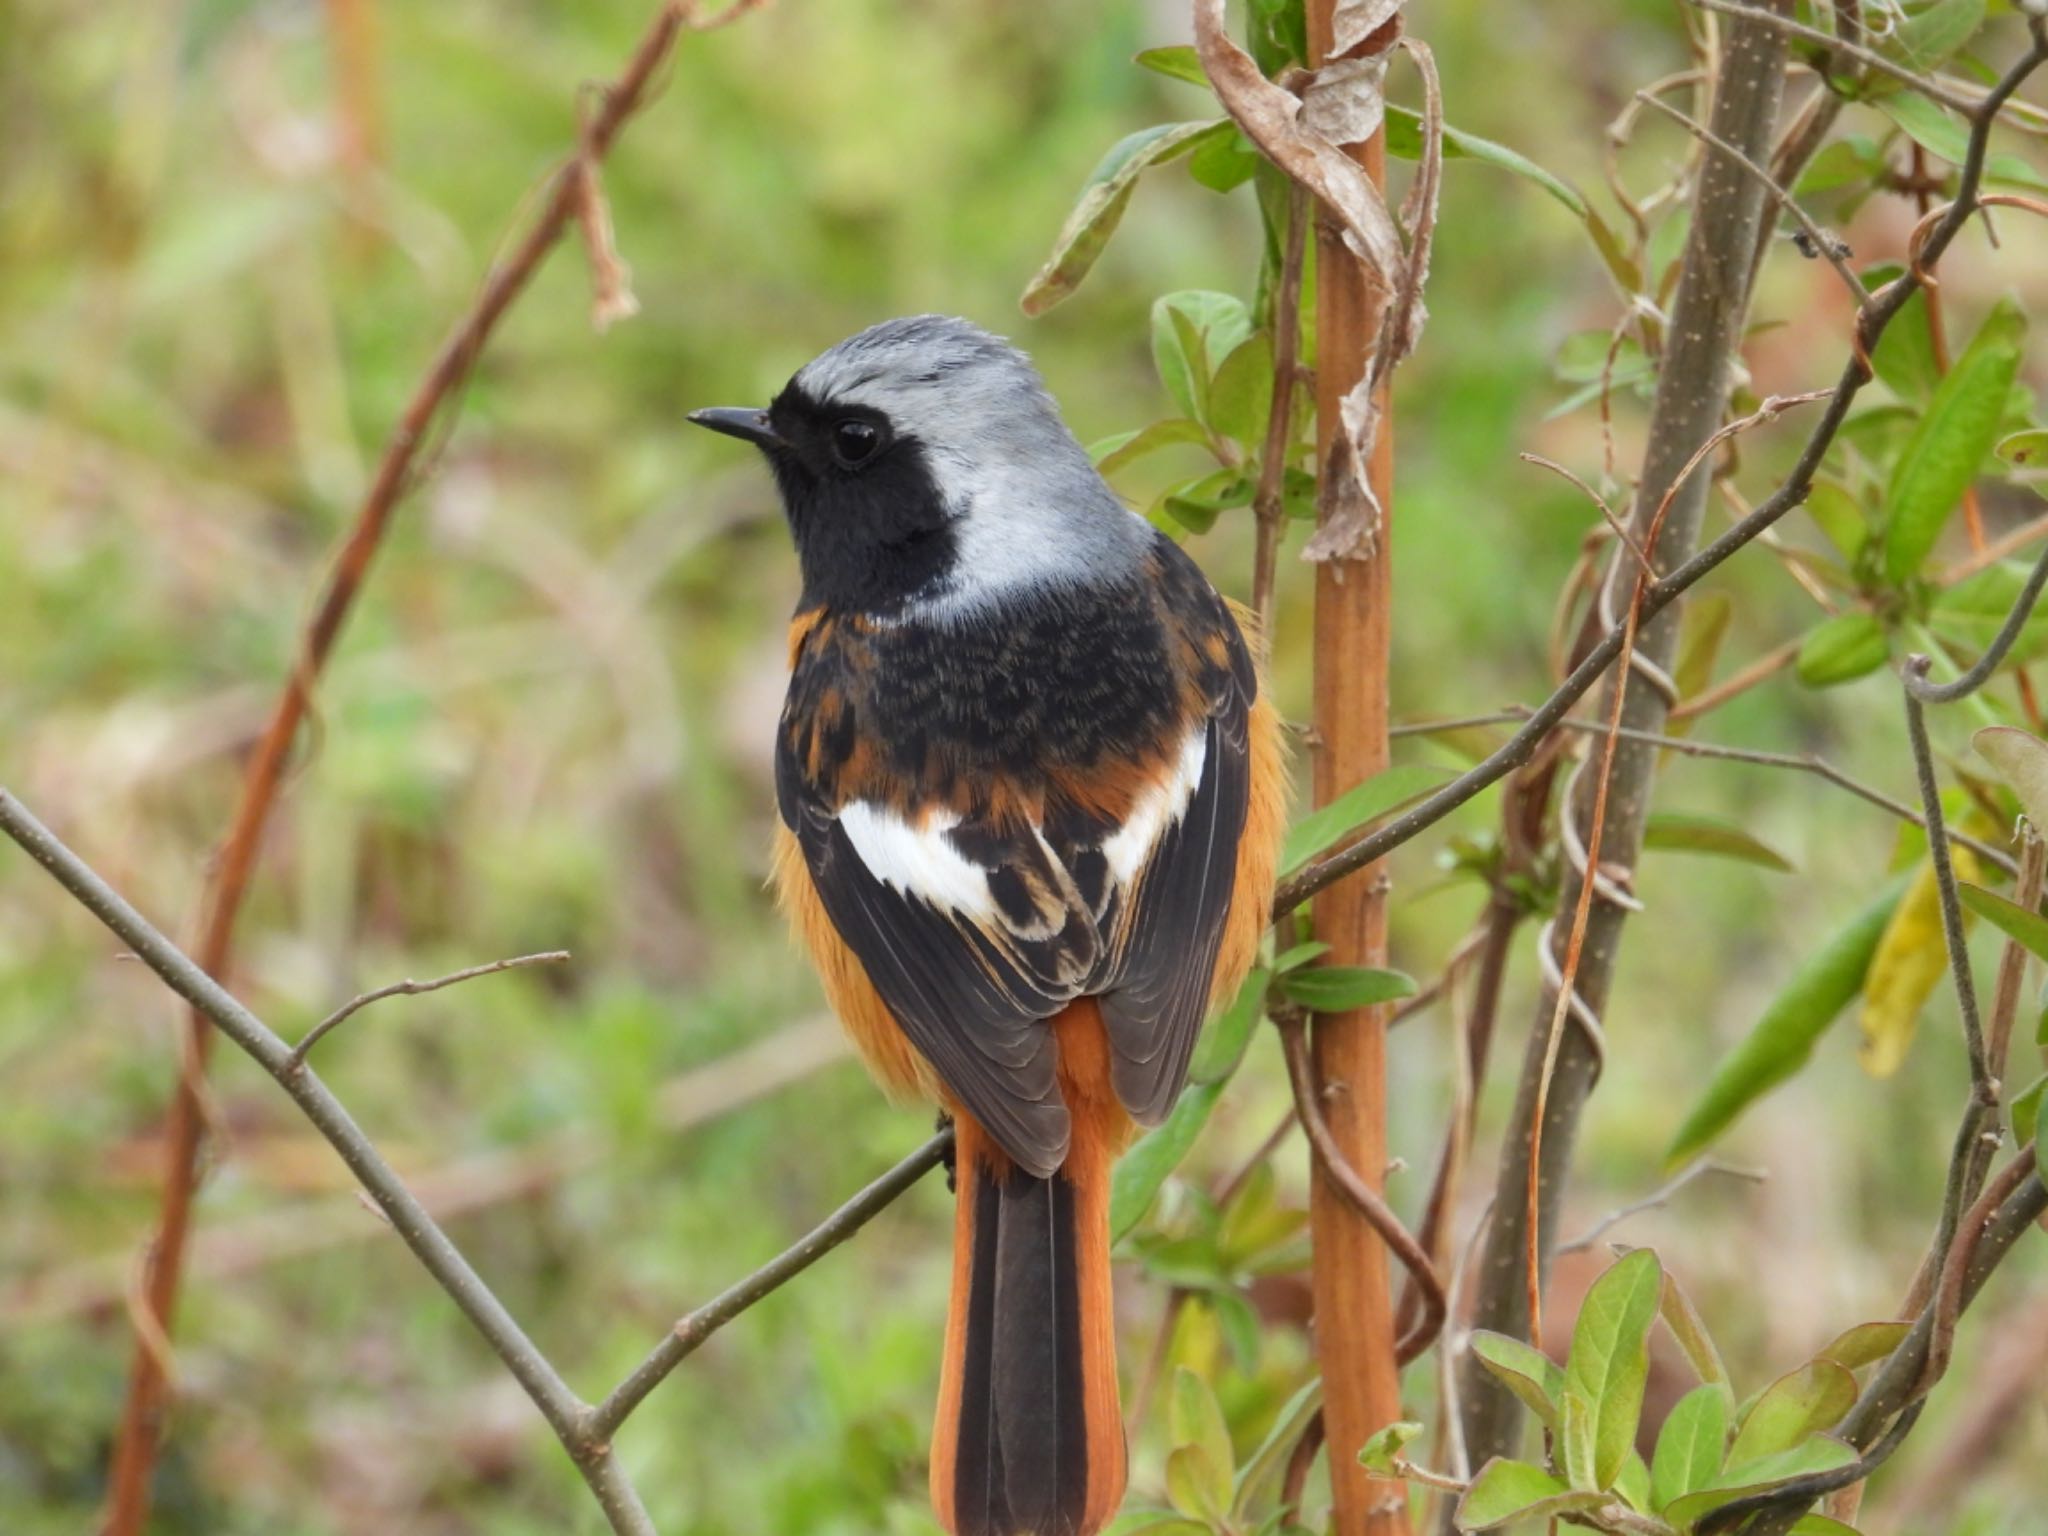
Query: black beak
[(737, 421)]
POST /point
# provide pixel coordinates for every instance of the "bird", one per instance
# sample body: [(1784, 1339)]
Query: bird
[(1031, 787)]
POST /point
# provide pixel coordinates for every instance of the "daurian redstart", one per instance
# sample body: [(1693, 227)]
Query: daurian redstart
[(1031, 794)]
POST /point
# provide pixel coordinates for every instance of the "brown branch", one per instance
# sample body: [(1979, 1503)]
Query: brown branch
[(1358, 1192), (141, 1426), (1704, 336)]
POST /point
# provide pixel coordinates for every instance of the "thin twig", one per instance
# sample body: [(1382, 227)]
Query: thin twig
[(1697, 1169), (1915, 672), (1764, 668), (1364, 1199), (1613, 520), (1823, 243), (1995, 551), (683, 1340), (297, 1060), (1686, 746), (1868, 57)]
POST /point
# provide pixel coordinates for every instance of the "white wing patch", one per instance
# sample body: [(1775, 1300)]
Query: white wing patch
[(921, 860), (918, 861), (1157, 809)]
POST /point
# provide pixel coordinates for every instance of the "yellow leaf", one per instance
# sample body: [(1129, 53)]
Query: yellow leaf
[(1911, 960)]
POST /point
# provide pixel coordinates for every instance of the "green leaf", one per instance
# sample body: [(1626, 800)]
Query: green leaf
[(1525, 1371), (1241, 396), (1155, 1522), (1577, 1427), (1850, 161), (1701, 633), (1689, 1329), (1226, 163), (1191, 1484), (1181, 63), (1930, 36), (1682, 832), (1195, 1421), (1838, 515), (1378, 1453), (1825, 983), (2026, 1111), (2021, 759), (1841, 649), (1223, 1043), (1904, 355), (1274, 1451), (1104, 196), (1112, 454), (1384, 792), (1821, 1525), (2028, 449), (1948, 447), (1404, 142), (1158, 1152), (1691, 1445), (1610, 1357), (1928, 125), (1797, 1405), (1864, 1344), (1819, 1454), (1239, 1324), (1298, 955), (1634, 1483), (2028, 929), (1341, 988), (1508, 1490), (1189, 329)]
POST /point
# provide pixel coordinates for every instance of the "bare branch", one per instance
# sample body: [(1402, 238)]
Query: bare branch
[(1823, 244), (1363, 1198), (689, 1333), (296, 1061), (1699, 1168), (1870, 58), (416, 1229), (584, 1431)]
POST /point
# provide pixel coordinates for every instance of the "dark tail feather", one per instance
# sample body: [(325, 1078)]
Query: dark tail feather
[(1029, 1438)]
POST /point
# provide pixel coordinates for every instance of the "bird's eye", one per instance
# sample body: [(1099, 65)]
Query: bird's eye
[(854, 441)]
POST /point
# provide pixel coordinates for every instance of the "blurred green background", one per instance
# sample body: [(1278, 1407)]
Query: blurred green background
[(549, 723)]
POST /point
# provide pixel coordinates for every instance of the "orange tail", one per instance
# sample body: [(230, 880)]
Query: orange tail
[(1029, 1439)]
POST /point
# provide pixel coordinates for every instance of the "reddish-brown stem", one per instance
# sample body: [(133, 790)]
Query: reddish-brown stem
[(141, 1424), (1352, 1287)]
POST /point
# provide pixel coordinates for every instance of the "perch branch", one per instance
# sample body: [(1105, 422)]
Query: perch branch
[(584, 1431)]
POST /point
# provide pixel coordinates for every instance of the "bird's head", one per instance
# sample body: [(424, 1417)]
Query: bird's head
[(923, 464)]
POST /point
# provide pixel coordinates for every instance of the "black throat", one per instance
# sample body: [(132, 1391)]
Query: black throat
[(869, 539)]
